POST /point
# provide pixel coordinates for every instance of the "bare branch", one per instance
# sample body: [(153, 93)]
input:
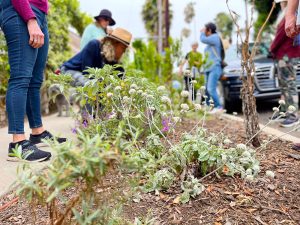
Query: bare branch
[(234, 19), (258, 37)]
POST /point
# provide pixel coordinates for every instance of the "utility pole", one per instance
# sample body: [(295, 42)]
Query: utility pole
[(167, 25), (160, 25)]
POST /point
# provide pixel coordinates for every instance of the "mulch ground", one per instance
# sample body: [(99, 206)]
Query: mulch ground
[(226, 200)]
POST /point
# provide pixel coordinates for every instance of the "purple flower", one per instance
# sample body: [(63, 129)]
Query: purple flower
[(166, 124), (85, 123), (74, 130)]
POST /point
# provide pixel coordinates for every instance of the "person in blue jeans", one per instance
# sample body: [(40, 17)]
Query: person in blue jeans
[(213, 69), (24, 23)]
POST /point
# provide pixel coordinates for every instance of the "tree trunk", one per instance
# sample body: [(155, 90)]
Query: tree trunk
[(249, 110)]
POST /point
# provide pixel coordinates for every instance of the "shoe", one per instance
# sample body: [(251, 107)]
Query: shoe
[(296, 146), (277, 117), (216, 111), (290, 121), (27, 152), (46, 135)]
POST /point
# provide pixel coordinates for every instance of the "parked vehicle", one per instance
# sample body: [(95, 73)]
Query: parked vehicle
[(265, 78)]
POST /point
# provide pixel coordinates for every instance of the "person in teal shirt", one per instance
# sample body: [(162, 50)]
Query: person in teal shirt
[(98, 29)]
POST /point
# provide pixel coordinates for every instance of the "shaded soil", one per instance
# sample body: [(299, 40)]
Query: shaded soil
[(226, 200)]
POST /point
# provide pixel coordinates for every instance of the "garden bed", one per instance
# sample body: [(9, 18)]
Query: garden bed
[(226, 200)]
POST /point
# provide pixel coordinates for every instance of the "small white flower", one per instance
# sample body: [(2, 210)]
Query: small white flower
[(291, 109), (176, 119), (270, 174), (227, 141), (185, 94), (211, 101), (161, 88), (187, 73), (241, 147), (246, 154), (203, 88), (281, 102), (199, 94), (184, 107), (249, 178), (118, 88), (150, 97), (140, 92), (152, 108), (249, 171), (193, 82), (275, 109), (166, 99), (126, 99), (235, 113), (197, 107), (132, 91), (144, 95), (256, 168), (109, 94), (134, 86), (205, 96), (224, 158)]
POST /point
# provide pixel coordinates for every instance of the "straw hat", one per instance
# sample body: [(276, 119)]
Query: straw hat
[(121, 35)]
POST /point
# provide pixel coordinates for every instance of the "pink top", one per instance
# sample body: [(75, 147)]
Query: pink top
[(24, 9)]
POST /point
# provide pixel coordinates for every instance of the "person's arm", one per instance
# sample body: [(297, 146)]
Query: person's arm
[(24, 9), (290, 17), (209, 40), (181, 66), (183, 63), (36, 36)]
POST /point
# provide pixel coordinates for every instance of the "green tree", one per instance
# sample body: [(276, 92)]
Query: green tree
[(263, 8), (149, 61), (224, 24), (189, 15), (150, 16)]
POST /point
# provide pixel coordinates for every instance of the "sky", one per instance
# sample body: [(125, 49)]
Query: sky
[(127, 14)]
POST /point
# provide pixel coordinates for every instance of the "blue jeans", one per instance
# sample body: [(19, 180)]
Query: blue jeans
[(211, 79), (27, 66)]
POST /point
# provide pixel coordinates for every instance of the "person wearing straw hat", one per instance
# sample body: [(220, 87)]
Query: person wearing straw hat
[(96, 54), (98, 29), (286, 55)]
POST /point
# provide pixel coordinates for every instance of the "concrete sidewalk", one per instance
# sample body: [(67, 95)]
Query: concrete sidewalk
[(280, 133), (59, 126)]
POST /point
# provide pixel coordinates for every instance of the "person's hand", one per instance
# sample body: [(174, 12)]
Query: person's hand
[(36, 36), (203, 30), (290, 26)]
